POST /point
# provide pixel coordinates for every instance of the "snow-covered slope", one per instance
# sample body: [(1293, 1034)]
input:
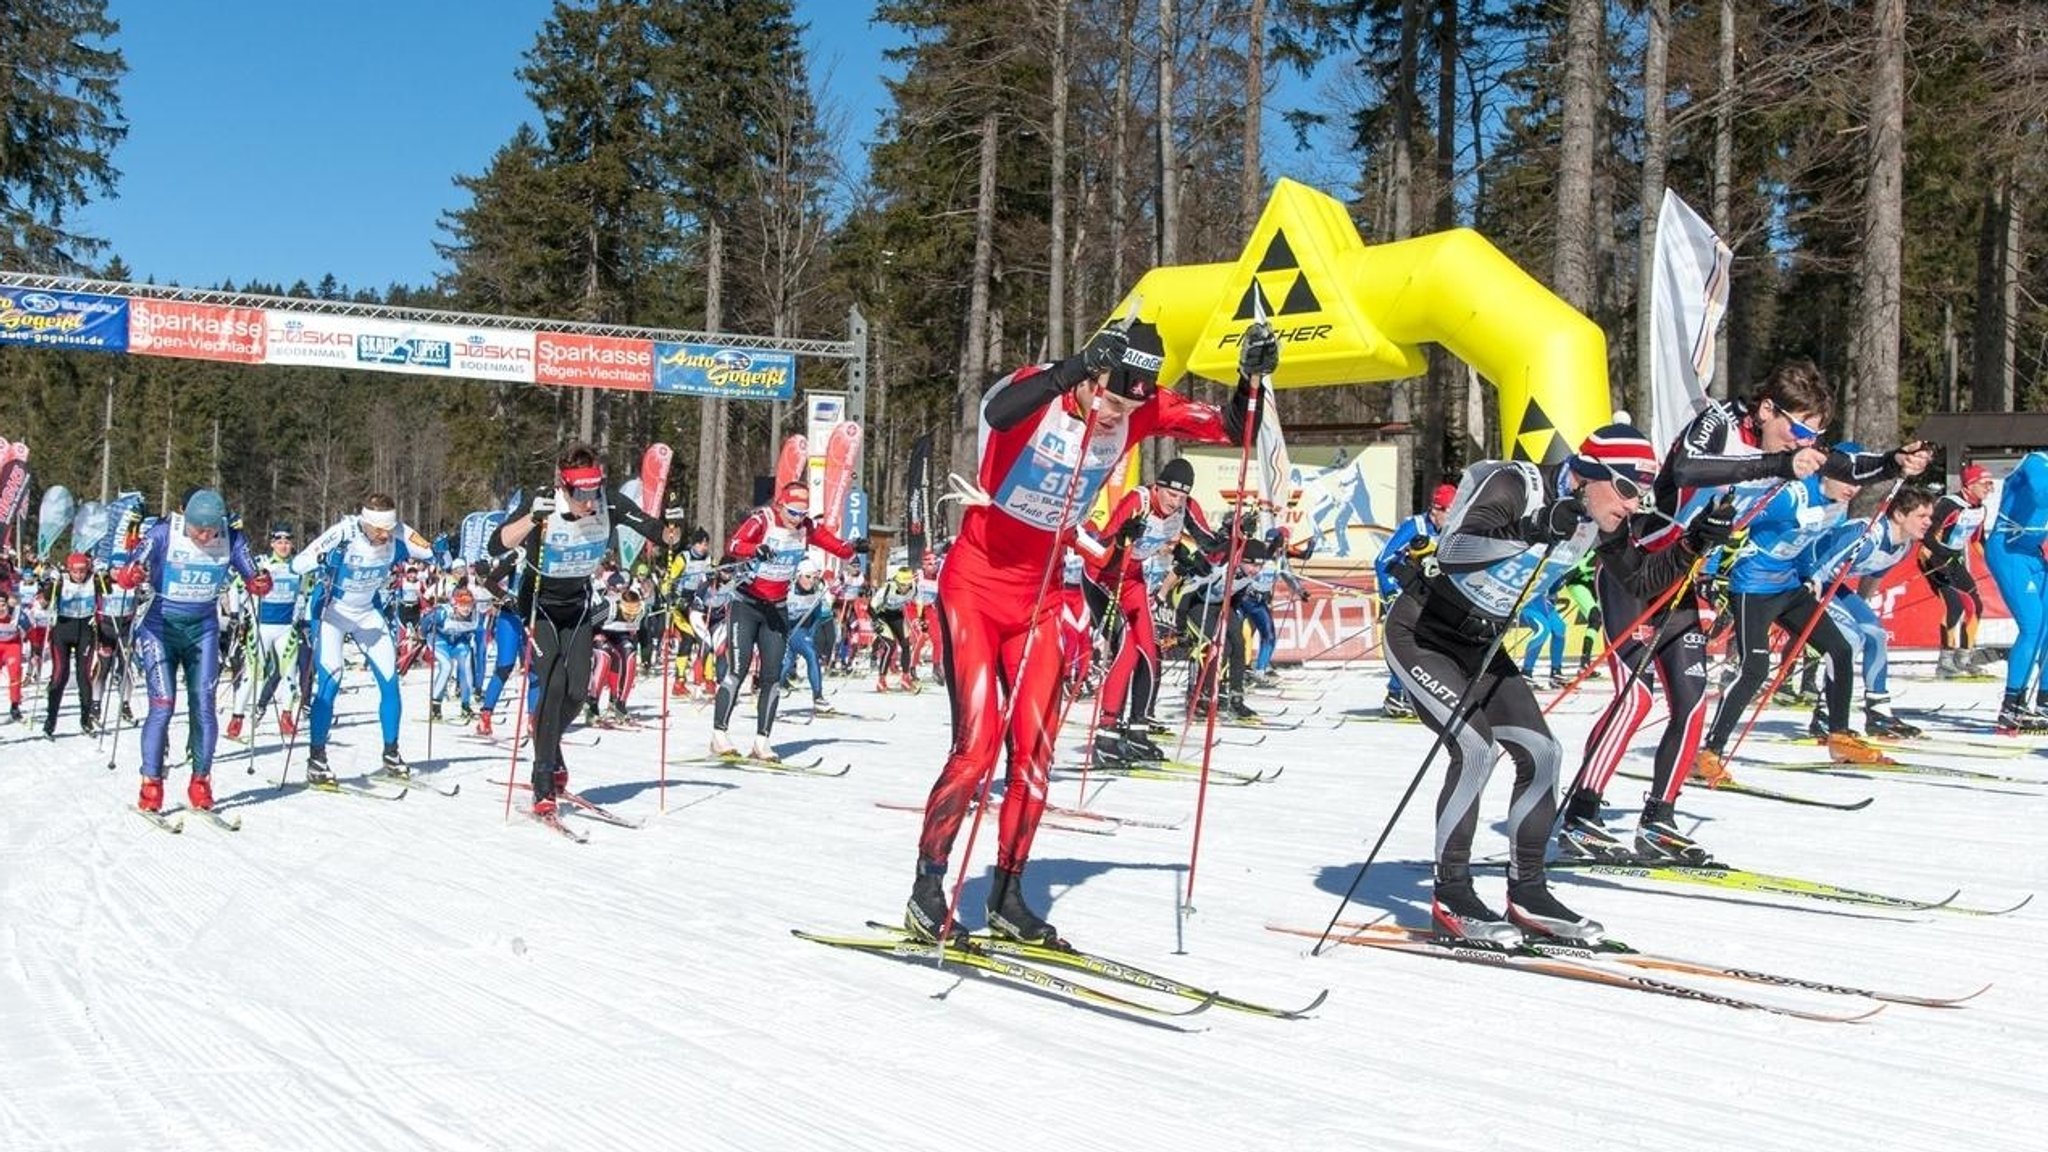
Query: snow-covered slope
[(356, 974)]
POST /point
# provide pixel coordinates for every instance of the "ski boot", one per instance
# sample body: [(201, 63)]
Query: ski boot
[(722, 745), (152, 798), (1533, 909), (1138, 745), (1658, 840), (288, 722), (1709, 768), (1457, 913), (2015, 718), (926, 909), (1949, 665), (483, 724), (199, 793), (1397, 708), (434, 712), (1584, 837), (821, 706), (1879, 720), (1008, 915), (319, 774), (393, 764), (468, 715), (1236, 709), (86, 725), (1110, 747), (127, 715), (1846, 747), (14, 714), (1817, 724), (234, 731), (764, 751)]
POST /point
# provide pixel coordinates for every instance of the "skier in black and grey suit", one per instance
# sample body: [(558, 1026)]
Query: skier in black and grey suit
[(1509, 520)]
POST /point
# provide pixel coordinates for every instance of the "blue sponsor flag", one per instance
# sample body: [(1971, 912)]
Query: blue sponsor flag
[(63, 319), (712, 370)]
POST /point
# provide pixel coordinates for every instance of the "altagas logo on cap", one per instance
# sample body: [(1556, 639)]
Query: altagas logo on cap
[(1143, 361)]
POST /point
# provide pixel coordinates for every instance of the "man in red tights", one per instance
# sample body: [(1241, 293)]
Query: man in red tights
[(1051, 436)]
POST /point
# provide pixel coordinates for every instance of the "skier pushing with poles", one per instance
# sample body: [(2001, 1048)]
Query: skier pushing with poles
[(562, 541), (1511, 530), (185, 558), (1050, 437)]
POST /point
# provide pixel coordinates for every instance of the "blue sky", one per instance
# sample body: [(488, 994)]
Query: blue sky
[(278, 140)]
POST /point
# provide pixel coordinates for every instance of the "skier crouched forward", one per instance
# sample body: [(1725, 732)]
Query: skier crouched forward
[(1512, 528)]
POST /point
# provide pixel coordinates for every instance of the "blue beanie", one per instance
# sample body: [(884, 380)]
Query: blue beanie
[(205, 509)]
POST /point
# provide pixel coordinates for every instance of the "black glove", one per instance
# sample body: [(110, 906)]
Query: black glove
[(1713, 527), (863, 546), (1105, 350), (543, 507), (1132, 529), (1556, 520), (1259, 353)]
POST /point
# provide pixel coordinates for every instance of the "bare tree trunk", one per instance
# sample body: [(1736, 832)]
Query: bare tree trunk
[(1872, 403), (1724, 178), (1998, 265), (974, 354), (1168, 247), (1056, 276), (1119, 145), (1452, 383), (1571, 274), (711, 410), (1252, 182), (1401, 196), (1656, 42)]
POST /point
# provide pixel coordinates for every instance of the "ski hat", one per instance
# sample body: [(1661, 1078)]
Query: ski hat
[(205, 509), (1972, 473), (1177, 474), (700, 536), (1616, 449), (280, 531), (78, 560), (809, 566), (463, 598), (1136, 376), (1443, 496)]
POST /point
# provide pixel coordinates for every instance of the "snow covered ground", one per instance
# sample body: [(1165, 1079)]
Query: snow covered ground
[(354, 974)]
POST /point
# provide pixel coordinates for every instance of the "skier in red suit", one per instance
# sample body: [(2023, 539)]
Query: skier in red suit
[(997, 592)]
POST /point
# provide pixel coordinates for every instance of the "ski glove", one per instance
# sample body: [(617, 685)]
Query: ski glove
[(1105, 350), (1259, 353), (1555, 521), (259, 584), (1132, 529), (1713, 527), (863, 546), (543, 507), (128, 576)]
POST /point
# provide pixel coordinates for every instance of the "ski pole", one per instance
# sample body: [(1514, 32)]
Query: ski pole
[(1820, 609), (527, 685), (1052, 564), (1225, 621), (1466, 706)]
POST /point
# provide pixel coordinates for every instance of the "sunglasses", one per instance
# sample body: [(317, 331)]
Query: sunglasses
[(586, 495), (796, 511), (1799, 431), (1627, 485)]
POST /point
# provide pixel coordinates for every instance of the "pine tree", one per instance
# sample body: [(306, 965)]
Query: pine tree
[(60, 118)]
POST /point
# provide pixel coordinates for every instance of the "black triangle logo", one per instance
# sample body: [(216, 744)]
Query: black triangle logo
[(1300, 298), (1520, 452), (1254, 295), (1535, 420), (1279, 256)]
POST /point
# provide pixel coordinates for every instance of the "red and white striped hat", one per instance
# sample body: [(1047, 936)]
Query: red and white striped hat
[(1619, 447)]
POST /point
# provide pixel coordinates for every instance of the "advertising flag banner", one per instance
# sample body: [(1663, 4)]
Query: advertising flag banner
[(712, 370), (49, 319)]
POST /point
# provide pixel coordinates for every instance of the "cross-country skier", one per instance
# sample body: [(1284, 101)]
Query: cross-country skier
[(454, 627), (1050, 437), (185, 558), (1945, 561), (279, 617), (2013, 552), (1512, 527), (74, 635), (1869, 550), (774, 538), (562, 540), (355, 557)]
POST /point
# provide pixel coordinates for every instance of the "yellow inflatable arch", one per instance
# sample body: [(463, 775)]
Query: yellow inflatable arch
[(1350, 314)]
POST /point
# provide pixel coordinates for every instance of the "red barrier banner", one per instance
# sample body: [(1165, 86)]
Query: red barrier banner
[(196, 331)]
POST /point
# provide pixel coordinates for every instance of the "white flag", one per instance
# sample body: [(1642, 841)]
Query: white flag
[(1689, 291)]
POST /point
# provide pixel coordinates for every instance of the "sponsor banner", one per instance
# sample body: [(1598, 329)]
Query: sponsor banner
[(824, 411), (394, 346), (1911, 610), (734, 373), (1340, 623), (63, 319), (571, 361), (196, 331)]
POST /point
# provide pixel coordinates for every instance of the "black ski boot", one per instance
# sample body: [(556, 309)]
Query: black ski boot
[(1584, 837), (1535, 911), (1138, 746), (318, 772), (927, 907), (1879, 720), (1658, 840), (1009, 916), (2015, 718), (1457, 912), (393, 764)]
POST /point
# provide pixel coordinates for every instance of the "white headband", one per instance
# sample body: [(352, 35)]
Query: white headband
[(385, 518)]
